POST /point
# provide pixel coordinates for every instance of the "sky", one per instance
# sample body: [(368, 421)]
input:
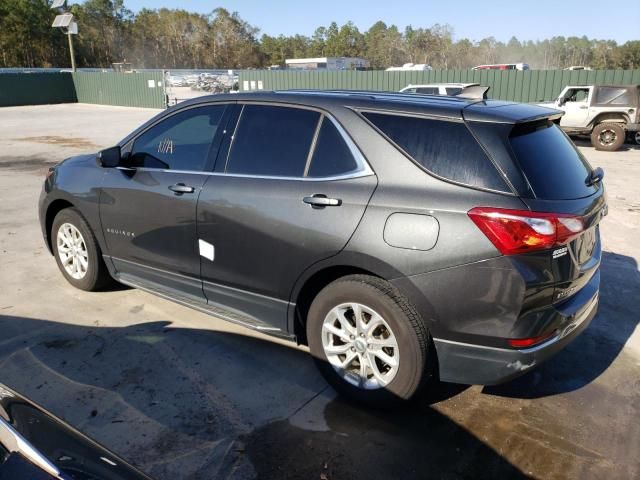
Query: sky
[(473, 19)]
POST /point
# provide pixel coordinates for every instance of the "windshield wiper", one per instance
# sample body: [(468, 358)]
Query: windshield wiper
[(596, 176)]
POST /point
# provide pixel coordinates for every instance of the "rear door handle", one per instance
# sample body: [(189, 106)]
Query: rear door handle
[(320, 201), (180, 188)]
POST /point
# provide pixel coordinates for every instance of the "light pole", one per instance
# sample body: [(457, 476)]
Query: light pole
[(66, 22)]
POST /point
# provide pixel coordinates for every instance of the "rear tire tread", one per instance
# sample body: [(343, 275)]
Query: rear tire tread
[(382, 288)]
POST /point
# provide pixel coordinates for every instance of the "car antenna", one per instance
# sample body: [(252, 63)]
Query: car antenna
[(474, 92)]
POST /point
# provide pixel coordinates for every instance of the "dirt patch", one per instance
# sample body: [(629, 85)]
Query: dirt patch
[(27, 164), (62, 141)]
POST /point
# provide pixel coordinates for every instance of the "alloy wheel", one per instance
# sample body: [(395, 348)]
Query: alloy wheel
[(360, 346), (72, 251)]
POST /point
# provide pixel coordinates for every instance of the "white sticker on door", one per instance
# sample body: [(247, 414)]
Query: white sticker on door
[(206, 250)]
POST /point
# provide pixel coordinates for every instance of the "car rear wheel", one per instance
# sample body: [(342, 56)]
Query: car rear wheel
[(77, 251), (368, 341), (607, 136)]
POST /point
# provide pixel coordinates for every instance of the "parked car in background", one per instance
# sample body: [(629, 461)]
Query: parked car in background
[(35, 445), (503, 66), (399, 236), (438, 88), (608, 113)]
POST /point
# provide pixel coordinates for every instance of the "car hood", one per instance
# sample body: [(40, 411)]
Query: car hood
[(35, 444), (79, 160)]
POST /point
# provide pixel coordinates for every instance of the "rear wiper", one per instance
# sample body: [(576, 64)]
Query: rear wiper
[(596, 177)]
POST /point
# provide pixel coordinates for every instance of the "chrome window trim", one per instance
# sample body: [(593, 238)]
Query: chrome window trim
[(312, 149), (363, 169), (14, 442), (346, 176)]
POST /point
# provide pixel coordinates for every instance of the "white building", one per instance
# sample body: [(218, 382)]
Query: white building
[(410, 66), (326, 63)]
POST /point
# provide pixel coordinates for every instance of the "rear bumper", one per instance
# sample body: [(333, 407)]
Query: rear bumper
[(483, 365)]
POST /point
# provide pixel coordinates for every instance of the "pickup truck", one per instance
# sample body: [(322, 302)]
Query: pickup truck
[(608, 113)]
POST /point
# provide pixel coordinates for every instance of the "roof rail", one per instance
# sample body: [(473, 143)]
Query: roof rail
[(373, 94)]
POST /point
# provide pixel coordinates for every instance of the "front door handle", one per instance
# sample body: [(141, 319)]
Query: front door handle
[(583, 107), (180, 188), (320, 201)]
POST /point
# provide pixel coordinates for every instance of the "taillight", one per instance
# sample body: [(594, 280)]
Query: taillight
[(522, 231), (531, 341)]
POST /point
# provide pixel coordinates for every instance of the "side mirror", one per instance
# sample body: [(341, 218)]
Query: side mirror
[(110, 157)]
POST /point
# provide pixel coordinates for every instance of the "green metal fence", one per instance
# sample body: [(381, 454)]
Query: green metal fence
[(144, 89), (518, 86), (36, 89)]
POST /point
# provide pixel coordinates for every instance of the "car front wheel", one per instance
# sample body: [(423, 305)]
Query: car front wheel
[(77, 251), (368, 341)]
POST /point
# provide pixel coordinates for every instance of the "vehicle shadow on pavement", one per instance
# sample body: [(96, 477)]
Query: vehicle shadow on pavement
[(415, 443), (591, 353), (194, 403)]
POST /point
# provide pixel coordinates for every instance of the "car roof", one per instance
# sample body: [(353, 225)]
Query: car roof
[(486, 110)]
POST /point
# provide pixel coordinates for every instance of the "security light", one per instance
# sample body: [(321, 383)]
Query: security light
[(62, 21), (66, 22)]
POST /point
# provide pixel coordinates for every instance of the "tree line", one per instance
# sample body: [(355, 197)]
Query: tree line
[(176, 38)]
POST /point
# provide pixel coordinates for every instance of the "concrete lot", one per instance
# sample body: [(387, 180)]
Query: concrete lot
[(184, 395)]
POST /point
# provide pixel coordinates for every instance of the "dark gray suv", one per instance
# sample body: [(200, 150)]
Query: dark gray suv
[(399, 236)]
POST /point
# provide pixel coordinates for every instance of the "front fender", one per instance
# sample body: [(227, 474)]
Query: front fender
[(76, 182)]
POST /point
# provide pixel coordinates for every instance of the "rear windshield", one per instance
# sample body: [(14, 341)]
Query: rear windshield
[(556, 170)]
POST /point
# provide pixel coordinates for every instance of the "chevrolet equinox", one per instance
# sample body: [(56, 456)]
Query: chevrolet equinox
[(401, 237)]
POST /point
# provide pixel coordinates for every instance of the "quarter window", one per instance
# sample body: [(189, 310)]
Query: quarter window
[(613, 95), (331, 156), (272, 141), (444, 148), (181, 142)]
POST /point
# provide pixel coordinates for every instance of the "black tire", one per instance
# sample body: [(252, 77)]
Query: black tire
[(607, 136), (415, 365), (97, 276)]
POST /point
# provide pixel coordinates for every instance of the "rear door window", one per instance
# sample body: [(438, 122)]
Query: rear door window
[(554, 167), (272, 141), (445, 148)]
